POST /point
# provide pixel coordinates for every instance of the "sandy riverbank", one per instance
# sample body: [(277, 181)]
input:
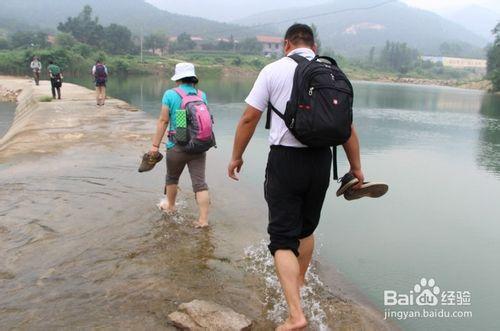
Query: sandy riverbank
[(82, 244), (484, 85)]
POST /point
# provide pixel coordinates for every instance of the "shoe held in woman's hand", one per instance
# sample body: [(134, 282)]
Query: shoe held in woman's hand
[(149, 160)]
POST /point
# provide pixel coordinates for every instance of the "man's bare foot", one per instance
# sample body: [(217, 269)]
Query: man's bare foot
[(293, 324), (200, 224)]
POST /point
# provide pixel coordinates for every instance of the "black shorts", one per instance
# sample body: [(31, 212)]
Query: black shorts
[(295, 187)]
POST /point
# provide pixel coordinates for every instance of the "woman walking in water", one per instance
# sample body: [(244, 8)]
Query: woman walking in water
[(185, 112)]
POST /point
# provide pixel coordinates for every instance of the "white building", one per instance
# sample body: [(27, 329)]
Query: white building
[(457, 62), (271, 45)]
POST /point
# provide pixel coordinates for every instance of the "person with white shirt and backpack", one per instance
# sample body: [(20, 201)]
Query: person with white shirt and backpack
[(100, 74), (36, 66), (309, 110)]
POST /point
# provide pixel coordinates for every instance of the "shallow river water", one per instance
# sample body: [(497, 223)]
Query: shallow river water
[(438, 149)]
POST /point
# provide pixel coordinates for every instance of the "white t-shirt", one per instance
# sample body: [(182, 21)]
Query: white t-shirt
[(36, 65), (274, 84)]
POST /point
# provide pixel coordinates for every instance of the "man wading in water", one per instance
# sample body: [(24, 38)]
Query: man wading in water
[(297, 177)]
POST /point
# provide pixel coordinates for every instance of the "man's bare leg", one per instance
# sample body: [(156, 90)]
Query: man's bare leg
[(203, 200), (306, 249), (288, 270)]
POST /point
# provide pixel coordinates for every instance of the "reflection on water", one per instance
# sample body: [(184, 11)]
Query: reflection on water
[(489, 136), (429, 111), (416, 97), (490, 106), (146, 91)]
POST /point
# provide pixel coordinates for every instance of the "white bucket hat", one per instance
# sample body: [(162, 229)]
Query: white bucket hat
[(183, 70)]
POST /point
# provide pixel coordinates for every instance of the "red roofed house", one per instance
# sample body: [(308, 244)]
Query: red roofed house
[(271, 45)]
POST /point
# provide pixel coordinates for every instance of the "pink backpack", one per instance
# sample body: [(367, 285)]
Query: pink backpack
[(200, 136)]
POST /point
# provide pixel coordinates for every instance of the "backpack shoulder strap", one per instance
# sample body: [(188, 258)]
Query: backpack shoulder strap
[(187, 98), (271, 108), (334, 163), (180, 92), (298, 58)]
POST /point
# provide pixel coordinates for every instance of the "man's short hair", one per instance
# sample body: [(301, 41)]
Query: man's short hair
[(300, 34)]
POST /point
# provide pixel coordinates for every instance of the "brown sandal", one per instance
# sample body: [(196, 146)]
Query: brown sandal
[(367, 189), (149, 161)]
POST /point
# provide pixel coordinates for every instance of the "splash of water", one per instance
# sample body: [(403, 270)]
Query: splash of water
[(260, 262), (176, 216)]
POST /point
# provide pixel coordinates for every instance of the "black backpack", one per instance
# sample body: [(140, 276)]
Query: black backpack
[(319, 112), (57, 80)]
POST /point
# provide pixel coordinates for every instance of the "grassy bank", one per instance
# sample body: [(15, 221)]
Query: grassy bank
[(79, 59)]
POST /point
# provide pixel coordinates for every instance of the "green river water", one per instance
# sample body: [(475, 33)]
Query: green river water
[(439, 150)]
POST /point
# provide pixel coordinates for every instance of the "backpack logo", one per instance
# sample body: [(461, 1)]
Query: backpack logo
[(335, 102)]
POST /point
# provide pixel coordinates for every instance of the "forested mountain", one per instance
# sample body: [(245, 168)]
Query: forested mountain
[(135, 14), (349, 32), (355, 32)]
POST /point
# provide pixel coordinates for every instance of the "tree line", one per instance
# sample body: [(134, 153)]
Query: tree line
[(159, 41), (114, 38), (82, 31), (86, 30)]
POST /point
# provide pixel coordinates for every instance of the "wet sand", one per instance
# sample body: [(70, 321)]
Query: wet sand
[(82, 244)]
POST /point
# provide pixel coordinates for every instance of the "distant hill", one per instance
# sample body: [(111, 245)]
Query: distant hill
[(353, 33), (134, 14), (8, 25), (227, 10), (480, 20)]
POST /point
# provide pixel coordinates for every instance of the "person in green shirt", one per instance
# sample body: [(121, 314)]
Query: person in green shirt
[(56, 77)]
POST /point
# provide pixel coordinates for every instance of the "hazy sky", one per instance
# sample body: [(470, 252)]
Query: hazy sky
[(438, 5), (229, 10)]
